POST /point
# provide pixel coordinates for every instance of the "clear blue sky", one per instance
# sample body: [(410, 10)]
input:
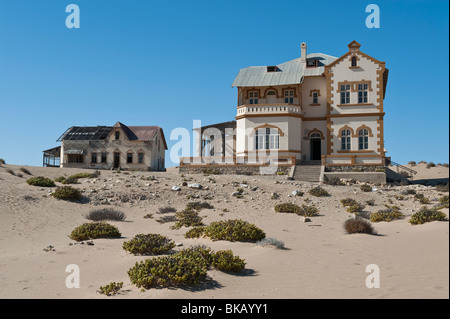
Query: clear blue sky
[(167, 63)]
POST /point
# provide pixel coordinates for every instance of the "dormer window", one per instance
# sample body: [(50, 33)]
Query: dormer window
[(312, 63), (272, 68)]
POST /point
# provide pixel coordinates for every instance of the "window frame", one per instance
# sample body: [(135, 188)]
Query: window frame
[(363, 139), (253, 97), (363, 89), (267, 139), (94, 158), (129, 158), (103, 157), (346, 141), (345, 90)]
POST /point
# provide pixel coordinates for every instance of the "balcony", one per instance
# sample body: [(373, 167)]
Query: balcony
[(276, 109)]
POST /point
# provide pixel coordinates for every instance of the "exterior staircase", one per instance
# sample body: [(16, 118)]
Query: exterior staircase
[(307, 173)]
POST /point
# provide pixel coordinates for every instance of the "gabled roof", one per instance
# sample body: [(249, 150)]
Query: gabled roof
[(141, 133), (291, 72)]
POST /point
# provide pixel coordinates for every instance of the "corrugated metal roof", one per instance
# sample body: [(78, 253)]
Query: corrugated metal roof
[(290, 72)]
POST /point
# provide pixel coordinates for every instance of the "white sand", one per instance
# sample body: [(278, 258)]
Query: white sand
[(321, 260)]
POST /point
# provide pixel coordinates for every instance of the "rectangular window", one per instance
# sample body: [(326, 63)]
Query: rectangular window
[(289, 96), (253, 97), (129, 157), (345, 143), (315, 98), (117, 135), (103, 159), (141, 158), (362, 93), (75, 158), (94, 158), (345, 94), (267, 139), (363, 142)]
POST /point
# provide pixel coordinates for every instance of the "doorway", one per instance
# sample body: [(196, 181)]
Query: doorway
[(116, 160), (316, 146)]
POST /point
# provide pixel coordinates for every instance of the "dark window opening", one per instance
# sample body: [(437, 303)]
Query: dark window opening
[(272, 68), (103, 158), (141, 158), (129, 157), (312, 63), (117, 135), (94, 158)]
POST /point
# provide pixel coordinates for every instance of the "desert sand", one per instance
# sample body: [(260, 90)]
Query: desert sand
[(320, 259)]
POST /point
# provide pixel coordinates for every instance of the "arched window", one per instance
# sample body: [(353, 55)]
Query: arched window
[(267, 139), (271, 92), (315, 135), (363, 139), (354, 61), (346, 140)]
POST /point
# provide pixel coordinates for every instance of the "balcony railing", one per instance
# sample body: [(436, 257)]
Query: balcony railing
[(279, 108)]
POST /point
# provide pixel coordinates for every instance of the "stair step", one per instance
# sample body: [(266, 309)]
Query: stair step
[(307, 173)]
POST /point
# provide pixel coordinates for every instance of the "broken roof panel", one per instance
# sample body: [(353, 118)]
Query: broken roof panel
[(85, 133)]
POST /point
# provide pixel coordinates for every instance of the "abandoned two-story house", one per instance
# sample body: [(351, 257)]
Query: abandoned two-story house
[(106, 147), (316, 109)]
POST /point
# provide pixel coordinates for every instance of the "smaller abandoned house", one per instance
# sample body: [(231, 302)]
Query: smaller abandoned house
[(106, 147)]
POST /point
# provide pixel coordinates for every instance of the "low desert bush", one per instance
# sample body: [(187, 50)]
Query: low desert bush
[(348, 202), (269, 241), (195, 232), (10, 171), (224, 260), (412, 163), (399, 197), (431, 164), (286, 208), (355, 208), (167, 219), (424, 200), (234, 230), (106, 214), (199, 206), (187, 218), (442, 188), (66, 180), (25, 171), (366, 188), (67, 193), (358, 226), (81, 175), (166, 209), (386, 215), (423, 162), (444, 199), (40, 181), (318, 192), (111, 288), (425, 215), (408, 192), (185, 268), (307, 211), (2, 161), (370, 202), (334, 180), (94, 230), (148, 244)]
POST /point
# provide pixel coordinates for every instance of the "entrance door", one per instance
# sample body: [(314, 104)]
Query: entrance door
[(316, 152), (116, 160)]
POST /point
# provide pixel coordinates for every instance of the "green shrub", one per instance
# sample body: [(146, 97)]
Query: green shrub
[(358, 226), (195, 232), (234, 230), (348, 202), (355, 208), (40, 181), (431, 164), (444, 199), (366, 188), (399, 197), (167, 271), (94, 230), (424, 200), (67, 193), (224, 260), (199, 206), (185, 268), (386, 215), (307, 211), (318, 192), (167, 219), (149, 244), (286, 208), (187, 218), (81, 175), (111, 289), (106, 214), (425, 215), (68, 180)]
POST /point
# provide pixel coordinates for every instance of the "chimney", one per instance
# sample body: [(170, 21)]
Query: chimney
[(303, 56)]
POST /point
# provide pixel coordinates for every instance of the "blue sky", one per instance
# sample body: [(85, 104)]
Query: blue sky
[(168, 63)]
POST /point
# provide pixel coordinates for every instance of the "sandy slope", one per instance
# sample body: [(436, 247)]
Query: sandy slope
[(320, 261)]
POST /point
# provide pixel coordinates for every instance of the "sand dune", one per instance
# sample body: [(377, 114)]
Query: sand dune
[(321, 260)]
